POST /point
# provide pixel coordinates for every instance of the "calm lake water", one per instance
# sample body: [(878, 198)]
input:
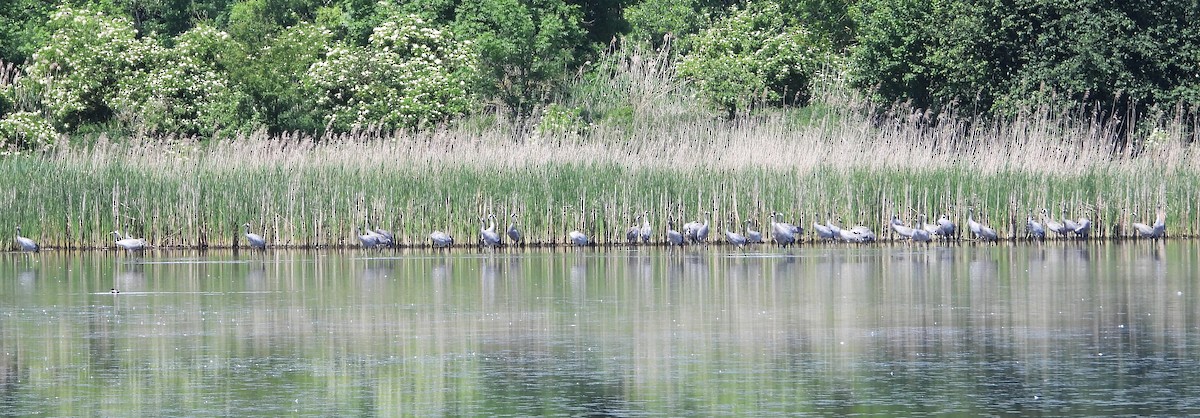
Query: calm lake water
[(1056, 329)]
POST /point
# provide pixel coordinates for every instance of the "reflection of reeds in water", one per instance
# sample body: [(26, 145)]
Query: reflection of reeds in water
[(465, 325)]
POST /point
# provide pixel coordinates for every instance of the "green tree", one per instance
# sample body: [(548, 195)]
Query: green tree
[(1002, 55), (23, 28), (186, 89), (78, 70), (526, 48), (753, 56), (652, 21), (411, 74), (253, 22), (274, 77)]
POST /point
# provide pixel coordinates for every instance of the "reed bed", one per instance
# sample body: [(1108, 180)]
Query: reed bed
[(300, 191)]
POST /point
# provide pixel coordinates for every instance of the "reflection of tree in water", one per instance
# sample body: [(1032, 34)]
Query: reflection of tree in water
[(12, 374), (695, 265), (534, 377), (102, 321)]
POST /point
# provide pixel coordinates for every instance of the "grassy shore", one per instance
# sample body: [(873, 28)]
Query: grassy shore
[(305, 192)]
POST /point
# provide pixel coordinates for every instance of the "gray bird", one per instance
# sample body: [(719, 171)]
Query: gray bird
[(1069, 224), (1155, 231), (26, 244), (834, 228), (900, 228), (823, 232), (1084, 228), (488, 236), (129, 244), (578, 238), (1054, 226), (673, 236), (921, 235), (632, 233), (441, 239), (735, 238), (369, 239), (863, 233), (1035, 229), (514, 235), (946, 227), (932, 229), (752, 236), (645, 231), (782, 233), (385, 237), (256, 241), (981, 231), (702, 231)]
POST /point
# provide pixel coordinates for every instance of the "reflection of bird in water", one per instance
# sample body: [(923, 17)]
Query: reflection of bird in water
[(440, 272), (256, 277), (134, 278)]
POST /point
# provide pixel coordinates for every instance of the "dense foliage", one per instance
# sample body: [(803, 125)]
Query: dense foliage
[(753, 56), (999, 55), (210, 68)]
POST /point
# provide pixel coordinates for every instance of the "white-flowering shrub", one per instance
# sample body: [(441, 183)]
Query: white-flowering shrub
[(185, 89), (22, 131), (410, 74), (80, 67)]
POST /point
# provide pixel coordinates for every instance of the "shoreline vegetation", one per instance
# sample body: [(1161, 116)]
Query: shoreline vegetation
[(182, 128), (846, 161)]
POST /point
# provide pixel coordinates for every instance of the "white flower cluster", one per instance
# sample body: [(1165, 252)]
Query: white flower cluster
[(182, 89), (408, 75), (79, 67), (23, 131)]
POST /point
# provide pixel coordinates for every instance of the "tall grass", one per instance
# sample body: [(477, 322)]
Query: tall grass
[(846, 160)]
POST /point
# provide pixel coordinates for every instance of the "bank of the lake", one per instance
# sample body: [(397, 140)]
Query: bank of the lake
[(299, 191)]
